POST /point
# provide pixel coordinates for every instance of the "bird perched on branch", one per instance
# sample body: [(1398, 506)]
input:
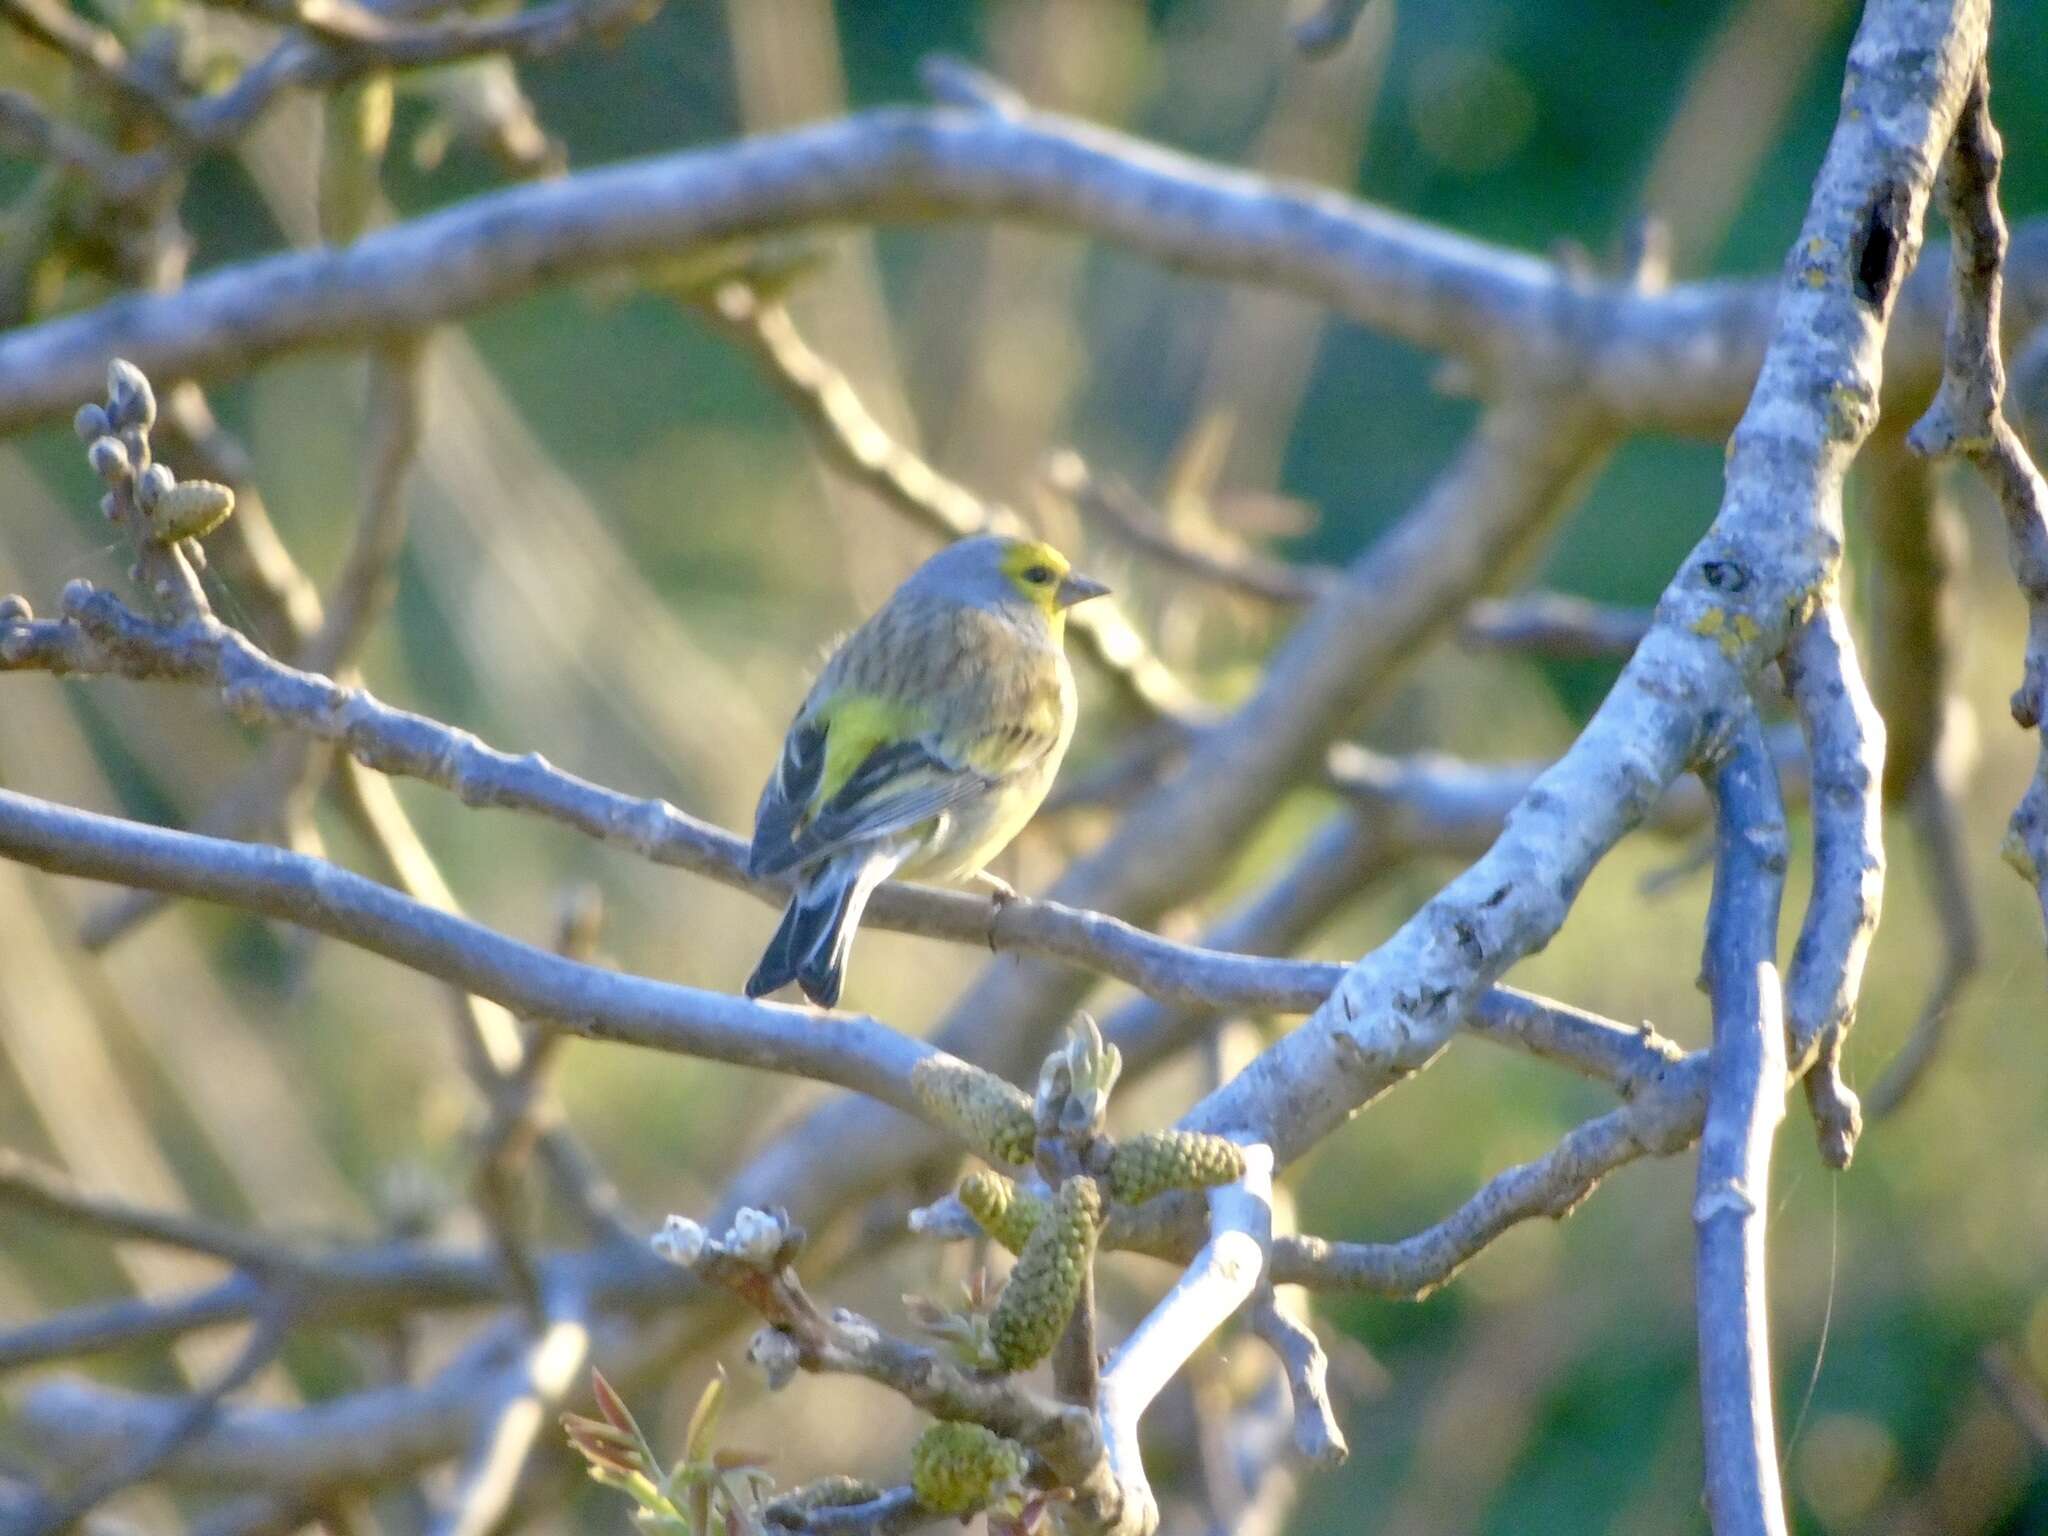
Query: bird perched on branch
[(929, 739)]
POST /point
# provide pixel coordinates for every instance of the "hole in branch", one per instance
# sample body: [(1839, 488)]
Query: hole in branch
[(1880, 245)]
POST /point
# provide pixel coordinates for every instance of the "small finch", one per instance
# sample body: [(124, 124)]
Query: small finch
[(928, 741)]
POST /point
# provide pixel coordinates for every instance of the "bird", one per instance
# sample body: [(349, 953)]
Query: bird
[(929, 739)]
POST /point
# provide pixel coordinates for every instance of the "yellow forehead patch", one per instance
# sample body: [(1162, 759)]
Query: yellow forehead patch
[(1037, 569)]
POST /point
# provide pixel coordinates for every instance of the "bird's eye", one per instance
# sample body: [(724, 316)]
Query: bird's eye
[(1038, 575)]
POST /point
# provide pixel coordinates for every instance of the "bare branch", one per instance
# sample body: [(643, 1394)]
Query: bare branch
[(102, 636), (361, 594), (1419, 284), (50, 1193), (194, 1415), (890, 1514), (1920, 548), (1544, 624), (1317, 1436), (373, 40), (851, 1051), (350, 1285), (99, 56), (1555, 625), (26, 130), (366, 1437), (1662, 1119), (1725, 616), (1112, 504), (1967, 419), (1219, 1280), (1440, 805), (1745, 1101), (1666, 1093), (489, 1481), (1937, 818), (1845, 741)]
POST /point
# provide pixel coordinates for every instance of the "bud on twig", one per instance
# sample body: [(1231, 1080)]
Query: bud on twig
[(130, 400), (109, 460), (681, 1241), (775, 1354)]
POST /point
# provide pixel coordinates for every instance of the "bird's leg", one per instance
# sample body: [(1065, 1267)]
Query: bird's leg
[(1000, 894), (1000, 890)]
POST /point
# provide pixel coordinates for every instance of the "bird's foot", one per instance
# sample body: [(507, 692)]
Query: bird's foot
[(1000, 894), (1000, 890)]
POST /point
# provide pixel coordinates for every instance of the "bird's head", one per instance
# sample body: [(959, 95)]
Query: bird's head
[(1008, 574)]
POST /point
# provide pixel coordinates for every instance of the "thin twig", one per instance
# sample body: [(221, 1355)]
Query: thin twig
[(1920, 545), (51, 1193), (488, 1485), (1318, 1438), (1967, 419), (1540, 623), (98, 56), (857, 445), (845, 1343), (1845, 743), (102, 636), (194, 1415), (1745, 1102), (1937, 818)]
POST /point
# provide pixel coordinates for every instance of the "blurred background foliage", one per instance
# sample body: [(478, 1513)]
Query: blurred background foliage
[(625, 554)]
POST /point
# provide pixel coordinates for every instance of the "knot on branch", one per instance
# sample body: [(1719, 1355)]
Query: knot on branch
[(1726, 1198)]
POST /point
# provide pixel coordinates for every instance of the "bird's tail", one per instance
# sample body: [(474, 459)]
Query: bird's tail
[(815, 936)]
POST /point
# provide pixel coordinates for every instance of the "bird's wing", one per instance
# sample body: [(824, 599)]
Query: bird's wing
[(883, 745), (787, 798), (896, 787)]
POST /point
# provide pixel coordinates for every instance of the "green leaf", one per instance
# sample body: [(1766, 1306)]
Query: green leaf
[(704, 1420)]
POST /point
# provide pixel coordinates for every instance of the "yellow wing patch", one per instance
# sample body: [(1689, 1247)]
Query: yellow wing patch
[(856, 724)]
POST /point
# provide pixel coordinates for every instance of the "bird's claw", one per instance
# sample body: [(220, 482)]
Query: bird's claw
[(1000, 894)]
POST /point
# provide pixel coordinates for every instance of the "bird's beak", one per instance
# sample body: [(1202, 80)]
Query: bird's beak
[(1078, 589)]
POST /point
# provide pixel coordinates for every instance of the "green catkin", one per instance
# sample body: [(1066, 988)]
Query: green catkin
[(1042, 1289), (987, 1113), (1006, 1213), (1153, 1163), (191, 509), (956, 1469)]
